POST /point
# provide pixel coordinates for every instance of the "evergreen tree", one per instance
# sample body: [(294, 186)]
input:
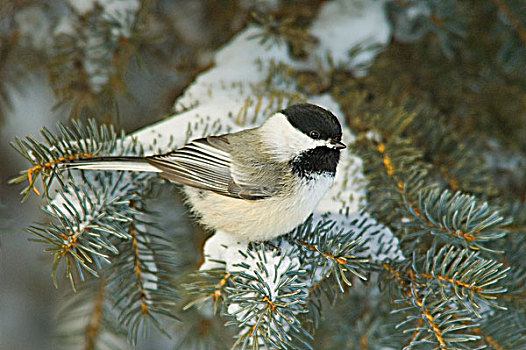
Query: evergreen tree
[(418, 245)]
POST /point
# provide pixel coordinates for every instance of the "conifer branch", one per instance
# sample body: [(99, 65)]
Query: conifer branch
[(94, 324), (415, 334), (85, 219), (206, 285), (503, 7), (446, 289), (395, 169), (101, 219), (265, 300), (276, 30), (515, 281), (456, 216), (466, 273), (454, 291), (266, 304), (503, 330), (337, 253), (488, 339), (314, 300), (428, 317), (455, 274), (220, 286), (138, 270), (71, 143), (338, 259), (435, 319), (86, 319), (140, 278)]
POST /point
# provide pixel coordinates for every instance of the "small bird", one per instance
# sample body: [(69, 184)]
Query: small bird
[(257, 183)]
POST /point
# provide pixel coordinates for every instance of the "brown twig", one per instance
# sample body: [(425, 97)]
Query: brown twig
[(137, 265), (430, 319), (93, 327), (503, 7), (47, 166), (415, 332), (467, 236), (339, 259), (217, 292), (412, 289), (452, 281), (488, 339)]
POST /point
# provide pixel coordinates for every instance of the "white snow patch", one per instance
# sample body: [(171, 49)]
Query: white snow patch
[(223, 246), (95, 43), (112, 9), (344, 25), (64, 26), (273, 277), (33, 27), (82, 6)]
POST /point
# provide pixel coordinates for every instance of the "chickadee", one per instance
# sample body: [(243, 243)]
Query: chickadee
[(257, 183)]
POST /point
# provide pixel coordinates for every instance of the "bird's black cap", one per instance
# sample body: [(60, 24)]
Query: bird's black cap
[(307, 117)]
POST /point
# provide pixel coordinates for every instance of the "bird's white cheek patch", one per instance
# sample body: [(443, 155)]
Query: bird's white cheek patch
[(285, 140)]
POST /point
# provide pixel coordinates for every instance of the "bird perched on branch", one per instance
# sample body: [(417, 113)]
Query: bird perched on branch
[(257, 183)]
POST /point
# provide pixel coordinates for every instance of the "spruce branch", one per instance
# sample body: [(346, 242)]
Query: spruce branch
[(333, 257), (317, 292), (431, 318), (444, 325), (332, 253), (140, 277), (503, 330), (399, 173), (79, 140), (89, 60), (464, 274), (206, 285), (266, 301), (451, 153), (86, 319), (394, 169), (455, 274), (275, 30), (199, 329), (100, 218), (517, 26), (276, 291), (516, 284), (442, 292), (85, 218), (358, 321), (413, 19), (410, 126), (94, 324), (457, 216), (273, 295)]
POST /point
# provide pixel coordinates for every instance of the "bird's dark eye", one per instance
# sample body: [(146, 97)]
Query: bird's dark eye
[(314, 134)]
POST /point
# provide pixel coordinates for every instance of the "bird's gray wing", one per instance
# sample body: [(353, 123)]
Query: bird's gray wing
[(207, 163)]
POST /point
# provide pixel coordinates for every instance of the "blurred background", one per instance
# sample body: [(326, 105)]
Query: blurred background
[(126, 61)]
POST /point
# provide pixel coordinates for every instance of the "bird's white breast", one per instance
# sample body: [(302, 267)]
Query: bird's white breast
[(260, 219)]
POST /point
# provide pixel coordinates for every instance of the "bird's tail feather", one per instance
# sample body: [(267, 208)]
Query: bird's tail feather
[(112, 163)]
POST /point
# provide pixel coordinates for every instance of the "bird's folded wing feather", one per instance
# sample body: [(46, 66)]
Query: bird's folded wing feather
[(207, 163)]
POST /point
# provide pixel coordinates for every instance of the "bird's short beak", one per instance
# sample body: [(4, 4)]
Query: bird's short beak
[(337, 144)]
